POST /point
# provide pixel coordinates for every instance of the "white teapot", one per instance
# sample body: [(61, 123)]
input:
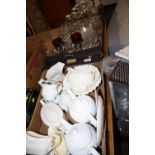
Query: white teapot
[(83, 110), (52, 115), (50, 91), (81, 139)]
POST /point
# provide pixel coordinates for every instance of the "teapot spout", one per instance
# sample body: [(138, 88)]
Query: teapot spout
[(66, 125)]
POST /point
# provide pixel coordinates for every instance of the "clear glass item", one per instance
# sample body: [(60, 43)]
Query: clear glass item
[(87, 30)]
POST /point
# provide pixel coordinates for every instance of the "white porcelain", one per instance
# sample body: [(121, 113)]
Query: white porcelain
[(81, 139), (55, 73), (83, 110), (35, 134), (61, 148), (50, 91), (100, 119), (40, 144), (51, 115), (64, 100), (82, 79)]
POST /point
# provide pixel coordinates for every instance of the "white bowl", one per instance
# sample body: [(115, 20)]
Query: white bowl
[(82, 79)]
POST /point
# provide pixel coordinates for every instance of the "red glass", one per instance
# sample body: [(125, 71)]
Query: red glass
[(76, 38)]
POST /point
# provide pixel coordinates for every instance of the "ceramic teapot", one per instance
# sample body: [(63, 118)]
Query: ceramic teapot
[(52, 116), (50, 91), (83, 110), (81, 139)]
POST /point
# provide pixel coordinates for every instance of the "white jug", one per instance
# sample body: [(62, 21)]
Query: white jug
[(40, 144), (50, 91)]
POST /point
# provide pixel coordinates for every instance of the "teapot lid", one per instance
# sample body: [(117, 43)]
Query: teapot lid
[(51, 114), (79, 134)]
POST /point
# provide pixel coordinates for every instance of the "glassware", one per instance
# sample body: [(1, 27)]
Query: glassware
[(76, 39), (58, 45), (81, 34)]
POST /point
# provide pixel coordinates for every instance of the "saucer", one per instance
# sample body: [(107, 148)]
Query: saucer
[(100, 119)]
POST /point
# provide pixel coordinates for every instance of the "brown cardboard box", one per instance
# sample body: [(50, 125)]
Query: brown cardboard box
[(36, 55), (34, 68), (37, 125)]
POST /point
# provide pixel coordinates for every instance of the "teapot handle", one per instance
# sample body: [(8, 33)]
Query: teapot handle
[(93, 121), (93, 151), (58, 140)]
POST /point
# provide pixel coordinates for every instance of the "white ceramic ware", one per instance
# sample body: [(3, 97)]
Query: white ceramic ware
[(64, 100), (55, 73), (40, 144), (83, 110), (82, 79), (100, 119), (50, 91), (61, 148), (51, 115), (81, 139)]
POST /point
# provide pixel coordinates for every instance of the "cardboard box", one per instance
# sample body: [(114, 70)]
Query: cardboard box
[(38, 126), (36, 55), (34, 68)]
